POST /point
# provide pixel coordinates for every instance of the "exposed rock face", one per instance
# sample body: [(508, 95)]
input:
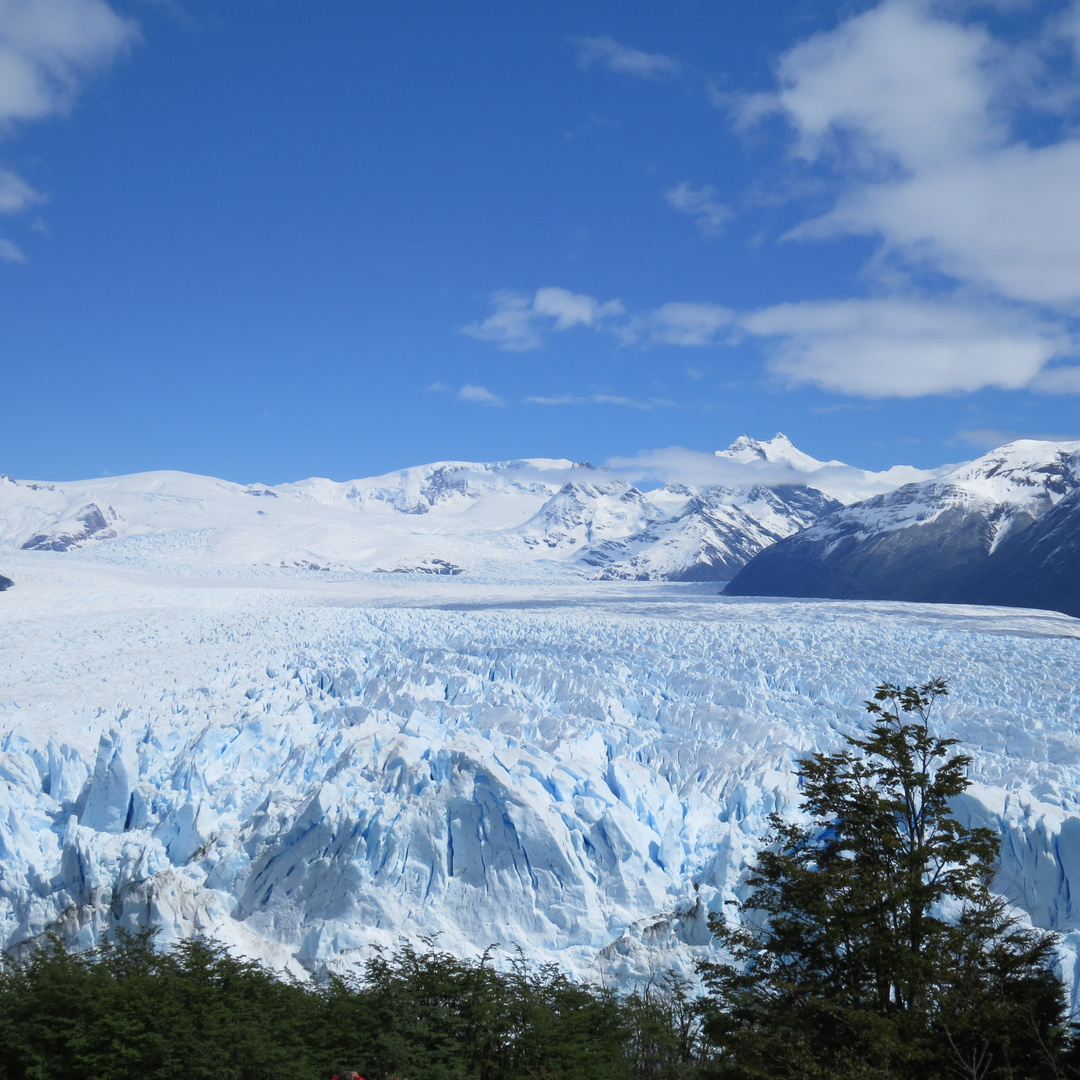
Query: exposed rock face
[(1037, 567), (87, 522), (931, 541), (5, 583)]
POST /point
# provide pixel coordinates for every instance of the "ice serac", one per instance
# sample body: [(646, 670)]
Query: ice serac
[(923, 541), (585, 770)]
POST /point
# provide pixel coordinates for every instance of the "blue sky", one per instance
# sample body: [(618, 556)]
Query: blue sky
[(265, 240)]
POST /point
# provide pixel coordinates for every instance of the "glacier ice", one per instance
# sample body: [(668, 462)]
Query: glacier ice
[(304, 764)]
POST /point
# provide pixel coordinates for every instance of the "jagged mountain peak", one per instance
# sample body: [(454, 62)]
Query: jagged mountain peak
[(779, 450)]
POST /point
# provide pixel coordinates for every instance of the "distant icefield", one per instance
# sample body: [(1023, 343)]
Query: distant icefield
[(303, 764)]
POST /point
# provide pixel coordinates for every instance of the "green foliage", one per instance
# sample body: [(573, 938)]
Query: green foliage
[(871, 944), (128, 1010), (195, 1013)]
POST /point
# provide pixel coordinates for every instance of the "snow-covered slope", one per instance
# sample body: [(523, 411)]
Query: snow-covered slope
[(546, 517), (309, 764), (922, 541), (714, 533)]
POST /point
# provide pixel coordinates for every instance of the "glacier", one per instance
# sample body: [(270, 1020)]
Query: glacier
[(305, 763)]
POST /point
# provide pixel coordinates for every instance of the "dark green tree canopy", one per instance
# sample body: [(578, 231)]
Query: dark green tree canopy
[(871, 943)]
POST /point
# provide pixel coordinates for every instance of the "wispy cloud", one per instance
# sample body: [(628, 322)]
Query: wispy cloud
[(991, 438), (601, 399), (470, 392), (691, 324), (11, 252), (520, 323), (16, 194), (891, 346), (624, 60), (702, 205), (48, 49)]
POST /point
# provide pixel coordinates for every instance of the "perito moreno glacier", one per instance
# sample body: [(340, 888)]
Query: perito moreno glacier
[(303, 764)]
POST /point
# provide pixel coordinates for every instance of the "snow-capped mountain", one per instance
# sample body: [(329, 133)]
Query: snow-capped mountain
[(528, 517), (776, 462), (922, 541), (714, 534)]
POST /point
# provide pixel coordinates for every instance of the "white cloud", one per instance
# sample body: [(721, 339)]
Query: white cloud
[(992, 438), (1064, 379), (520, 323), (701, 204), (904, 85), (896, 347), (47, 49), (913, 109), (688, 323), (599, 399), (624, 60), (569, 309), (11, 252), (479, 395), (16, 194), (891, 346)]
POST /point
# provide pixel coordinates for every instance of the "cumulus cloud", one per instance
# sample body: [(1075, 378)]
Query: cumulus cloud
[(520, 323), (913, 110), (897, 347), (479, 395), (891, 346), (702, 205), (624, 60)]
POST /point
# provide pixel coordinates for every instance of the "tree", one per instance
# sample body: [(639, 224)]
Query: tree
[(870, 943)]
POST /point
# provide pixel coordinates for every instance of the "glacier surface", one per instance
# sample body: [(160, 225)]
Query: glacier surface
[(304, 764)]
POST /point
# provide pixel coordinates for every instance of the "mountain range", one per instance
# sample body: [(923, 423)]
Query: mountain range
[(502, 519), (999, 530)]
